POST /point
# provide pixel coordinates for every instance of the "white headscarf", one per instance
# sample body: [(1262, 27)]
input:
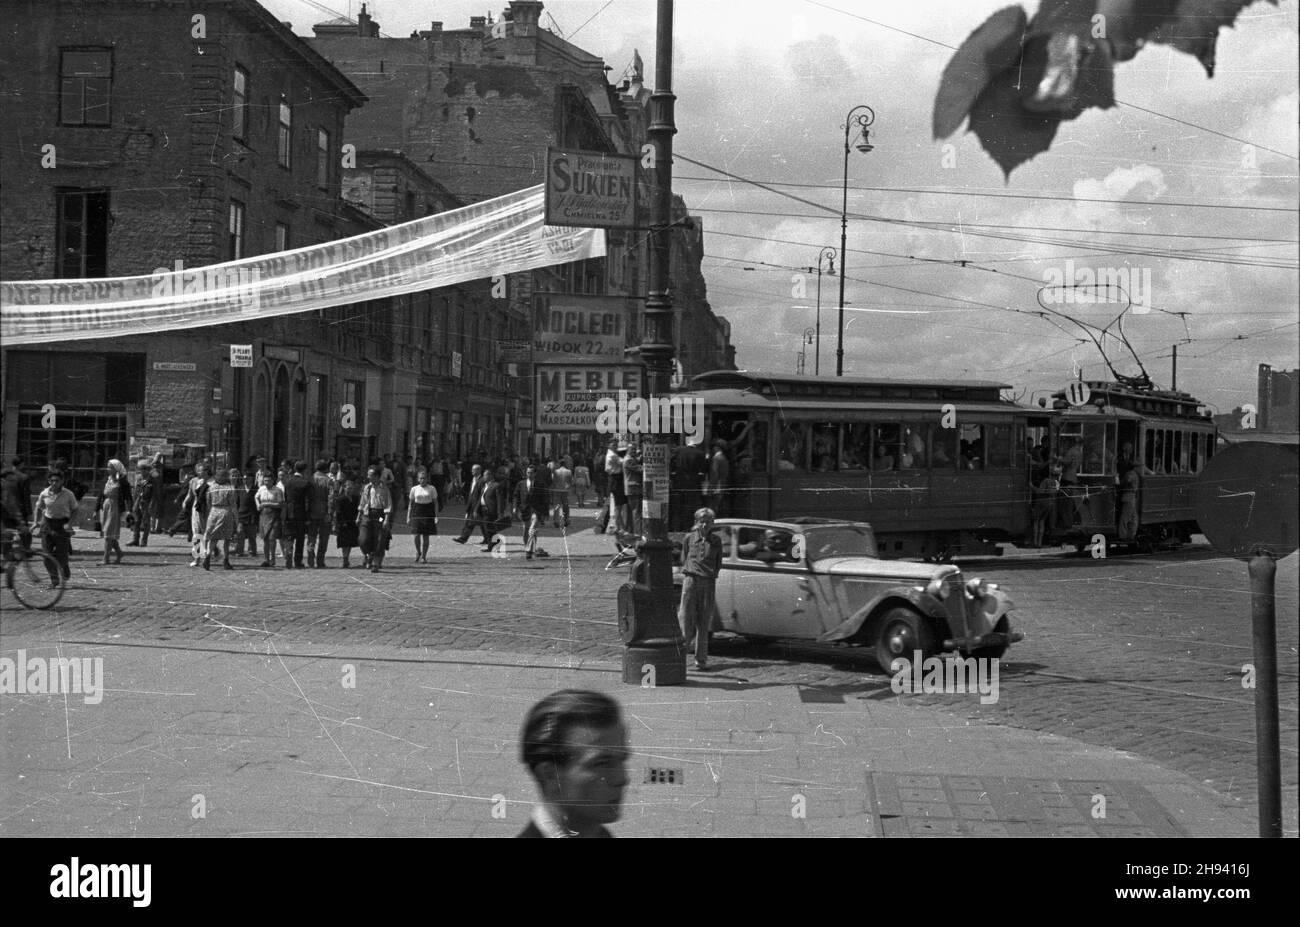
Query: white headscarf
[(117, 467)]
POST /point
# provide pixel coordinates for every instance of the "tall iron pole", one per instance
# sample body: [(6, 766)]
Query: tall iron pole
[(827, 252), (1174, 384), (655, 654), (864, 119)]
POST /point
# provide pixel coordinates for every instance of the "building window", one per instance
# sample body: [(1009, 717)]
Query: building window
[(353, 394), (281, 237), (239, 112), (410, 204), (82, 233), (85, 80), (322, 158), (284, 146), (236, 230)]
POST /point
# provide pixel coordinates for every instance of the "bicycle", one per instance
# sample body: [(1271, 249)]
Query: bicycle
[(34, 575)]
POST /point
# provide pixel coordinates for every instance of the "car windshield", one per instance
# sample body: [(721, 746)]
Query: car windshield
[(839, 541)]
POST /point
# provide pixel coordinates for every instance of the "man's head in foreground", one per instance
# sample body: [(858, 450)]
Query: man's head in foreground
[(575, 745)]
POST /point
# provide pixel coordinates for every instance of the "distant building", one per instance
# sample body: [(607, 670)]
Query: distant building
[(476, 108), (1279, 403), (204, 141)]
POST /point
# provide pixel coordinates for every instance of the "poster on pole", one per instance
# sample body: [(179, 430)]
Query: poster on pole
[(565, 395), (590, 188), (654, 472), (571, 329)]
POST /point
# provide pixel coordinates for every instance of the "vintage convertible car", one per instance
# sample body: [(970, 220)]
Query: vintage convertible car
[(819, 580)]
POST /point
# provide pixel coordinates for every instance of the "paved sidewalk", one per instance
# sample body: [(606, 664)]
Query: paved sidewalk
[(271, 742)]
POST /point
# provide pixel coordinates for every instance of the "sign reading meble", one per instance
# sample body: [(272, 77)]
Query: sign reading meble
[(590, 188), (571, 329), (567, 398)]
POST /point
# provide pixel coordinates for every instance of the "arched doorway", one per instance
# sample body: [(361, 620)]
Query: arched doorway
[(281, 400), (259, 413)]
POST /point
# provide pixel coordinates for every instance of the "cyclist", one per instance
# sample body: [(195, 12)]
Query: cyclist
[(54, 509)]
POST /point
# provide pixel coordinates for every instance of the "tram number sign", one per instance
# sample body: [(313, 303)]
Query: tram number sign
[(1077, 393)]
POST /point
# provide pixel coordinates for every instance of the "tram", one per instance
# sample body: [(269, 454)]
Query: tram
[(940, 467)]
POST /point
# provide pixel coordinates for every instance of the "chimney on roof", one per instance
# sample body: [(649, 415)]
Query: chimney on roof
[(478, 22), (367, 28), (525, 14)]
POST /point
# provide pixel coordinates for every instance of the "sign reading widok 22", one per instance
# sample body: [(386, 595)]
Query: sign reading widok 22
[(567, 396), (571, 329), (590, 189)]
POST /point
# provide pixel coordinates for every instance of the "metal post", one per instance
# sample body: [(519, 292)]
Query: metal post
[(864, 119), (1174, 377), (1263, 571), (817, 362), (655, 654)]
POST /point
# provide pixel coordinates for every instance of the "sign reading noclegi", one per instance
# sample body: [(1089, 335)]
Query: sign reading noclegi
[(566, 395), (577, 329), (590, 188)]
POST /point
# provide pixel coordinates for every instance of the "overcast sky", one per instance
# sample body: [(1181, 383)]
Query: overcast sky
[(763, 89)]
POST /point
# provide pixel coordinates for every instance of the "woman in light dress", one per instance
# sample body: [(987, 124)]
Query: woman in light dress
[(220, 526), (113, 502)]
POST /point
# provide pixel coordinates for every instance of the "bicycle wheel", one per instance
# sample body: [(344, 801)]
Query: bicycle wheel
[(30, 578)]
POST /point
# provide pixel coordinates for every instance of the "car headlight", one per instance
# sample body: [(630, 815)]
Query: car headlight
[(937, 587), (974, 587)]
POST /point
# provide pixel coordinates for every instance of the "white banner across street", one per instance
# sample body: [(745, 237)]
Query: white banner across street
[(498, 236)]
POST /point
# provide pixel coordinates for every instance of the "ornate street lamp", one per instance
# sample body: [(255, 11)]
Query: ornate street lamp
[(826, 254), (861, 117)]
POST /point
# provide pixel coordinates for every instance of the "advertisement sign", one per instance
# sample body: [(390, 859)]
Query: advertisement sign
[(590, 188), (570, 329), (241, 355), (565, 395), (455, 364), (514, 352), (654, 468)]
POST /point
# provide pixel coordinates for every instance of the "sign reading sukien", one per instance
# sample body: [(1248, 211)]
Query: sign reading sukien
[(566, 396), (591, 189), (574, 329)]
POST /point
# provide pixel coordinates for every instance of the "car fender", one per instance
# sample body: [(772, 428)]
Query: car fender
[(909, 596)]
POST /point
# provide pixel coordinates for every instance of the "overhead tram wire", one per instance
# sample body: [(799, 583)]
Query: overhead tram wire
[(1016, 196), (1152, 112)]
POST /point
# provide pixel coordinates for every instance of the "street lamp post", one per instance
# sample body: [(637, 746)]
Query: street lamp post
[(803, 349), (862, 117), (826, 254)]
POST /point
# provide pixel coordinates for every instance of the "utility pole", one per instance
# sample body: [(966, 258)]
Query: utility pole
[(655, 654), (1174, 379)]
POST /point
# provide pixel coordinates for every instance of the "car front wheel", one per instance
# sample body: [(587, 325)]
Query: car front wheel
[(901, 633)]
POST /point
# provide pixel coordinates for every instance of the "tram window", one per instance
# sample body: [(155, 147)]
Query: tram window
[(825, 446), (756, 451), (1093, 452), (794, 446), (943, 448), (1181, 463), (1169, 458), (1156, 451), (971, 447), (913, 456), (1195, 457), (1210, 447), (856, 447), (999, 446), (886, 447)]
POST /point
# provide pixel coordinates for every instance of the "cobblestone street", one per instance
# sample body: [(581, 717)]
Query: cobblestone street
[(1140, 654)]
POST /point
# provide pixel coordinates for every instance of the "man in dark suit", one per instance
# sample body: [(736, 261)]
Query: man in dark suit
[(473, 503), (494, 513), (532, 500), (297, 514), (574, 744)]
